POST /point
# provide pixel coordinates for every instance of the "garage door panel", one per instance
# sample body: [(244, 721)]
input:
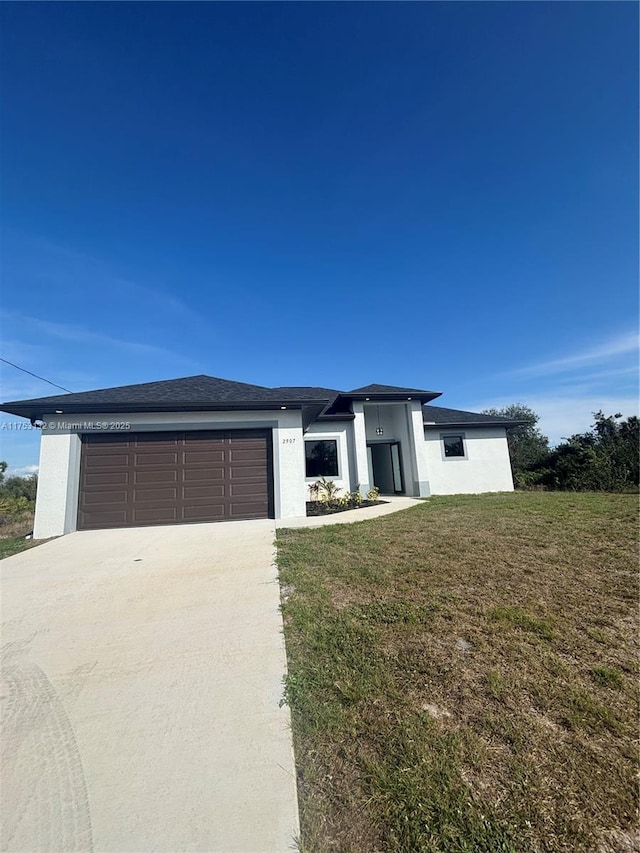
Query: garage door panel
[(106, 478), (209, 446), (205, 513), (155, 515), (103, 498), (106, 518), (155, 495), (147, 441), (207, 475), (166, 475), (247, 454), (247, 510), (239, 454), (168, 478), (108, 459), (168, 458), (246, 475), (241, 489), (204, 457), (205, 491), (243, 501)]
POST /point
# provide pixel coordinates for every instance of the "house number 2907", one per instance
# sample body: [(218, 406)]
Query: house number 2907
[(288, 440)]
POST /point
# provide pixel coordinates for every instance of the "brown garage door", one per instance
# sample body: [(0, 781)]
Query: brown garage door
[(174, 478)]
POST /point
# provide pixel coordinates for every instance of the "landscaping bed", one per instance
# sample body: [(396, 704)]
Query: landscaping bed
[(326, 508), (462, 676)]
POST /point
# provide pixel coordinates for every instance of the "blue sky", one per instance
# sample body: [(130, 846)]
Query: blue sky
[(434, 195)]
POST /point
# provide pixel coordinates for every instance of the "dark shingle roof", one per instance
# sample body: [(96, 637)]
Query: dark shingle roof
[(190, 392), (304, 392), (195, 389), (382, 393), (203, 392), (440, 416), (389, 389)]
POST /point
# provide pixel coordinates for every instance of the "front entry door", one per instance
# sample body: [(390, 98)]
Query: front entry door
[(386, 465)]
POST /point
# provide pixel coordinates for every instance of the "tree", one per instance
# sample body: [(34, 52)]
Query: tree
[(17, 487), (605, 459), (527, 445)]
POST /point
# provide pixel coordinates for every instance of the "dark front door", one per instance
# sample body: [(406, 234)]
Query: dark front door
[(130, 480), (386, 463)]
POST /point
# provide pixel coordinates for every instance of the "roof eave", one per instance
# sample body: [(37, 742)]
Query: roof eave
[(34, 412), (461, 424), (336, 416), (384, 397), (424, 396)]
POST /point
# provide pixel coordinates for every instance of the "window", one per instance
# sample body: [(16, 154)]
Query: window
[(453, 446), (321, 458)]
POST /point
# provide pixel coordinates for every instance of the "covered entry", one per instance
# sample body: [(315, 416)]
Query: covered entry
[(385, 467), (148, 478)]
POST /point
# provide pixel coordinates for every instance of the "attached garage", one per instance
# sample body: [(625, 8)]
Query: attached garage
[(136, 479)]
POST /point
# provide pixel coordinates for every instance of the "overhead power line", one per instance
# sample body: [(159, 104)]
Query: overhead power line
[(17, 367)]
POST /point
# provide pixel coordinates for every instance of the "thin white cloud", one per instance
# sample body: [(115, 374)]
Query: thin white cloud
[(623, 344), (76, 266), (564, 415), (82, 335), (631, 370), (24, 471), (15, 389)]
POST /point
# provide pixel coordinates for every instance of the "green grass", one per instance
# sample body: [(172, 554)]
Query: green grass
[(14, 544), (13, 529), (462, 675)]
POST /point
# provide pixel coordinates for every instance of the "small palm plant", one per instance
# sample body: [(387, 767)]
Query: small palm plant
[(327, 490)]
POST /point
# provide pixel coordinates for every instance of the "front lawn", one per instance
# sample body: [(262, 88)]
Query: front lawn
[(14, 528), (462, 676), (11, 545)]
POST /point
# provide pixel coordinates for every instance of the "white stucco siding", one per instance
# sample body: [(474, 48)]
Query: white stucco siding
[(57, 496), (360, 459), (422, 486), (60, 450), (341, 433), (486, 467), (288, 466)]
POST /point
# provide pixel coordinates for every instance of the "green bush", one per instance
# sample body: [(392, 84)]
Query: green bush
[(13, 507), (529, 480), (605, 459), (17, 497)]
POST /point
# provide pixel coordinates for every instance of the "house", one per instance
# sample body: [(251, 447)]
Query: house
[(205, 449)]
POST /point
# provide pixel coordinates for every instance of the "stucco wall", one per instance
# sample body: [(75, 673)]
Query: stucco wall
[(57, 501), (359, 456), (486, 468), (340, 432), (422, 485), (57, 496)]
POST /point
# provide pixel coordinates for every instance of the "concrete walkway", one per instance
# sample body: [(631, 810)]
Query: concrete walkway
[(394, 504), (142, 674)]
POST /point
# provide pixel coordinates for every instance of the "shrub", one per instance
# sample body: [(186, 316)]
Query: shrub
[(13, 507), (327, 490)]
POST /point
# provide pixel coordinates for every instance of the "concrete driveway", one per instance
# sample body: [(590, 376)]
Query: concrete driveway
[(142, 675)]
